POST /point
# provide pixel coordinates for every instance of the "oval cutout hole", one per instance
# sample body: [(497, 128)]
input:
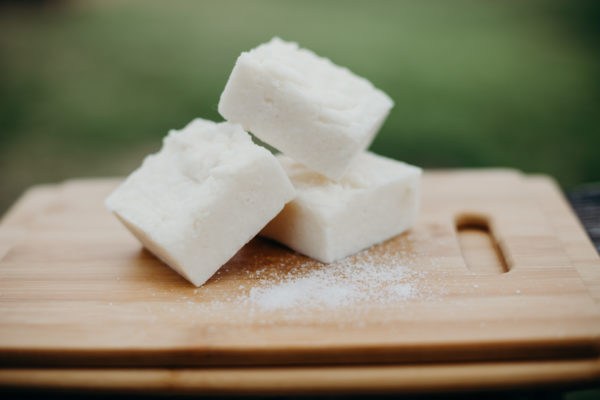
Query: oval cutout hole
[(479, 248)]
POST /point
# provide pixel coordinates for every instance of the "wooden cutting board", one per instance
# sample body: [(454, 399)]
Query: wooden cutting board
[(76, 290)]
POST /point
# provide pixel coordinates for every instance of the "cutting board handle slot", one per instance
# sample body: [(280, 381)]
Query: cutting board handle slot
[(479, 246)]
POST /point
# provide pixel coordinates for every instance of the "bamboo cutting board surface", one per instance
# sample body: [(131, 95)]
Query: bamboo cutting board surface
[(76, 290)]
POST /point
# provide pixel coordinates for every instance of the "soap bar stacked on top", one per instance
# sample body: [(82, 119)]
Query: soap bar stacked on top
[(210, 189), (307, 107)]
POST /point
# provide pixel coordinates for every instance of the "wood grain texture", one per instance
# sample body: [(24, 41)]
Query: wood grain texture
[(80, 292)]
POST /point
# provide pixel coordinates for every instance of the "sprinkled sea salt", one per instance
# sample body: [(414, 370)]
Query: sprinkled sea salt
[(297, 285), (267, 284), (342, 284)]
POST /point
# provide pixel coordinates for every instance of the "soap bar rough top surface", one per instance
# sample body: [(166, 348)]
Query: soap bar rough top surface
[(310, 109), (205, 194), (377, 199)]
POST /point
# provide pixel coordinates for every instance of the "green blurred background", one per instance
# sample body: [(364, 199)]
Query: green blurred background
[(89, 88)]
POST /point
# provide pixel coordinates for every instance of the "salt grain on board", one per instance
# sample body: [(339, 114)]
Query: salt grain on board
[(275, 286), (362, 281), (342, 284)]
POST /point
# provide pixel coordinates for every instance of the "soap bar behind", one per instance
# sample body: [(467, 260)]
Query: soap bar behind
[(377, 199)]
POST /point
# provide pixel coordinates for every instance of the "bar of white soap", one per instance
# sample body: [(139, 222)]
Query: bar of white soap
[(377, 199), (310, 109), (205, 194)]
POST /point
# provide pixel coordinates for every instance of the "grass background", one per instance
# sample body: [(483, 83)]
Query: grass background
[(88, 88)]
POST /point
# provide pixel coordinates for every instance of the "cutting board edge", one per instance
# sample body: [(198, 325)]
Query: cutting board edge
[(434, 378)]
